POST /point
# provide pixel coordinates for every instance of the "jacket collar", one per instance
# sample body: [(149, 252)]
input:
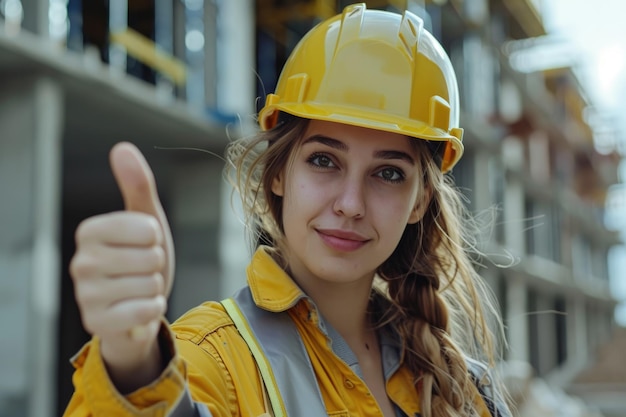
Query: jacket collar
[(272, 288)]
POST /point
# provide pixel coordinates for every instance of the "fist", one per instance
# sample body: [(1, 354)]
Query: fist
[(123, 265)]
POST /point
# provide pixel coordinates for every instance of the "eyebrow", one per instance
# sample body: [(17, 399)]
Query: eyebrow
[(339, 145), (330, 142)]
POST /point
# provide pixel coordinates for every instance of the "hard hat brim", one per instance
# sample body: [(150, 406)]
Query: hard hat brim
[(373, 120)]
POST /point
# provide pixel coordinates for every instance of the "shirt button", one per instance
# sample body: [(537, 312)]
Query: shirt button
[(349, 384)]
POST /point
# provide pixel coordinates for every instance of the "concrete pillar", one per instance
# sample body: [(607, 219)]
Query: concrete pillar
[(235, 95), (31, 116), (514, 199), (234, 249), (118, 22), (210, 53), (516, 318), (194, 192), (514, 240), (164, 39), (546, 330), (482, 195), (36, 16), (235, 57), (576, 323)]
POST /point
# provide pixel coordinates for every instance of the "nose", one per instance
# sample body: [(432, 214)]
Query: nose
[(350, 199)]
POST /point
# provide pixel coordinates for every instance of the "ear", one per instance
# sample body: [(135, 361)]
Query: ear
[(278, 185), (421, 205)]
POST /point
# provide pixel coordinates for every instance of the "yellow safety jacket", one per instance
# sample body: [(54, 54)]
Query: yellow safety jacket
[(274, 356)]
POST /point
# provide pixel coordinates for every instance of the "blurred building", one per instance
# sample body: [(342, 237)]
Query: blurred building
[(178, 79), (78, 77), (603, 383)]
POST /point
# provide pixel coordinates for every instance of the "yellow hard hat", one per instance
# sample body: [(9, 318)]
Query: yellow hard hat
[(374, 69)]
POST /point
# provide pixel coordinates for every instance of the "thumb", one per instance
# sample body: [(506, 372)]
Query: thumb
[(135, 180), (137, 185)]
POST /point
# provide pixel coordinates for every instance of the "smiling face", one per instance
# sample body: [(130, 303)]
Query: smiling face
[(348, 194)]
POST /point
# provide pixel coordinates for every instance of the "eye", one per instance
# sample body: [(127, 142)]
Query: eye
[(321, 160), (390, 174)]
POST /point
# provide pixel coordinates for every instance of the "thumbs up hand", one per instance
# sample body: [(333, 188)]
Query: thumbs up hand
[(123, 272)]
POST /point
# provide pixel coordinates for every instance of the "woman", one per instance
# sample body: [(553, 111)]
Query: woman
[(362, 301)]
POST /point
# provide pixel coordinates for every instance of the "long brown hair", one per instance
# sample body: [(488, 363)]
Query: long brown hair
[(430, 292)]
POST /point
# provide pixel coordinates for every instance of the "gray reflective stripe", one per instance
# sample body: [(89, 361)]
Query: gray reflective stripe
[(274, 339), (202, 410), (186, 407)]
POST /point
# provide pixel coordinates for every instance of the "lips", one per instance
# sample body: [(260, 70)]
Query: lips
[(342, 240)]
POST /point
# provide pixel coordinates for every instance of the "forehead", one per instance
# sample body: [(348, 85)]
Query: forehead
[(360, 137)]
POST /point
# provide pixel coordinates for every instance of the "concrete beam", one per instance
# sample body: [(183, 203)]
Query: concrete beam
[(31, 116)]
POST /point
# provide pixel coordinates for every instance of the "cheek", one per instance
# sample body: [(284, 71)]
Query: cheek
[(394, 211), (302, 190), (300, 199)]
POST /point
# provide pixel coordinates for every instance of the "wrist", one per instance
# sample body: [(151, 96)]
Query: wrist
[(131, 365)]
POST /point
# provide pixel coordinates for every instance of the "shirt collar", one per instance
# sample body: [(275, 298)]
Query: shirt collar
[(272, 288)]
